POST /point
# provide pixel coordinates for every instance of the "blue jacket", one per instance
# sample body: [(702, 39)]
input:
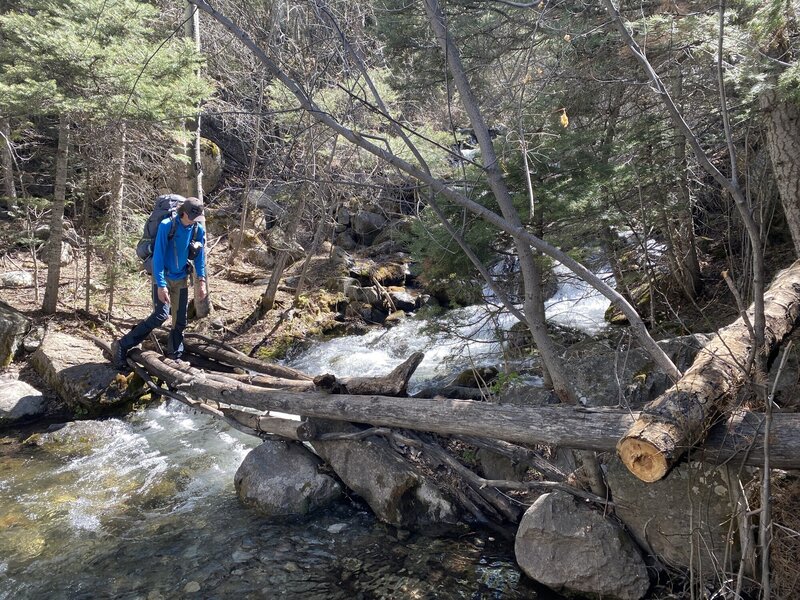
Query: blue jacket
[(170, 256)]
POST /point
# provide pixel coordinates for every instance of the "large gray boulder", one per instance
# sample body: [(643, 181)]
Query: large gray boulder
[(396, 492), (367, 225), (281, 478), (602, 370), (78, 372), (574, 550), (685, 517), (16, 279), (19, 402), (14, 326)]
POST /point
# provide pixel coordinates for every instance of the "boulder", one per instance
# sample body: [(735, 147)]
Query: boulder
[(16, 279), (212, 162), (78, 372), (575, 550), (66, 257), (78, 438), (282, 478), (33, 340), (403, 300), (260, 257), (367, 225), (42, 232), (598, 370), (14, 326), (180, 177), (343, 217), (395, 490), (279, 241), (345, 241), (263, 200), (67, 254), (478, 377), (496, 466), (690, 507), (19, 402)]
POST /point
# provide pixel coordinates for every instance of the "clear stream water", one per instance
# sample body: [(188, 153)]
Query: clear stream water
[(144, 507)]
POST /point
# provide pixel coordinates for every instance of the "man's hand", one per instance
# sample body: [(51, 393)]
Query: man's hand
[(163, 295), (202, 291)]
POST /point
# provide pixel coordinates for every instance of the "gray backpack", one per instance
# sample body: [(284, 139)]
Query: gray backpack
[(166, 207)]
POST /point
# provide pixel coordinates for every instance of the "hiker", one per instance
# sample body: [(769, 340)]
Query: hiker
[(180, 238)]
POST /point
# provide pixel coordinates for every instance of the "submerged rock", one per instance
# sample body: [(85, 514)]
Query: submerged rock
[(280, 478), (574, 550)]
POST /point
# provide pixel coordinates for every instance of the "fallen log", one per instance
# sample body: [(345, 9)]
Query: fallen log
[(234, 358), (518, 454), (393, 384), (268, 381), (300, 431), (679, 418), (567, 426)]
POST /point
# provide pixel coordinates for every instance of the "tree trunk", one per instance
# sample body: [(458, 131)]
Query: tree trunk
[(393, 384), (680, 417), (192, 31), (115, 216), (783, 141), (528, 267), (57, 219), (219, 353), (268, 297), (685, 245), (6, 152), (300, 431), (251, 170)]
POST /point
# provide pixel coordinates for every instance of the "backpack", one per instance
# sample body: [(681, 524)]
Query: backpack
[(166, 207)]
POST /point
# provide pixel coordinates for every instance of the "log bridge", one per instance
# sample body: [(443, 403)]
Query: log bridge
[(243, 391)]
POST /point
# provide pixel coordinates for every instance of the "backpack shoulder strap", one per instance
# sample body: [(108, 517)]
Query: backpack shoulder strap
[(172, 228)]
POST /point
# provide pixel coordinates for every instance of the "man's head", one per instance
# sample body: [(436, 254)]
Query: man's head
[(191, 211)]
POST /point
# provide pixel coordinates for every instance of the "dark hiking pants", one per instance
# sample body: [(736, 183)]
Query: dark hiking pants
[(179, 302)]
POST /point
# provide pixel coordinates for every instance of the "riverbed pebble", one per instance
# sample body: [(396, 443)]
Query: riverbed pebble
[(192, 587)]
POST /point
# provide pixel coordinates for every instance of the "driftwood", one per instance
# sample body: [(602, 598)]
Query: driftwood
[(518, 454), (499, 501), (237, 359), (268, 381), (300, 431), (393, 384), (679, 418), (736, 438)]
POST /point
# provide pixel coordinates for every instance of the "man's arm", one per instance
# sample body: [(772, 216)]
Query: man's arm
[(201, 291), (200, 261), (160, 253)]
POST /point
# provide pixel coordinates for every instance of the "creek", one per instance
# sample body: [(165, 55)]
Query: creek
[(143, 507)]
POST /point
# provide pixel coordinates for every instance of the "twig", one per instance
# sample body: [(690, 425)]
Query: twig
[(742, 313), (765, 518)]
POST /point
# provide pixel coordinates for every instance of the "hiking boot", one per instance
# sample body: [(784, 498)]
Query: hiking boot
[(118, 356)]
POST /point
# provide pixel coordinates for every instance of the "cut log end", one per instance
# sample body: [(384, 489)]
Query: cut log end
[(643, 459)]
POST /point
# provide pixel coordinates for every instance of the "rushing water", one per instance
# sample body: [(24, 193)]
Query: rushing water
[(462, 338), (144, 507)]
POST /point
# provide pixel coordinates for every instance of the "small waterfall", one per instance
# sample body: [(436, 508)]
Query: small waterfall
[(576, 304), (463, 338)]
